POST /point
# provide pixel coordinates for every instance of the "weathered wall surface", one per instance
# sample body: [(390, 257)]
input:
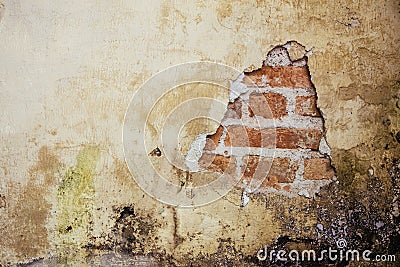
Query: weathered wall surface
[(69, 69)]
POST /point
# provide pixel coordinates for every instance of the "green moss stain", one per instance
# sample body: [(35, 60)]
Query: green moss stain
[(75, 204)]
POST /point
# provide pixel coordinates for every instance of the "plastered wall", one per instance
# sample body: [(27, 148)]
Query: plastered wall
[(69, 69)]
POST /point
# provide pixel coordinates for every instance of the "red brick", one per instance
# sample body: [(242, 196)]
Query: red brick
[(307, 106), (212, 140), (265, 104), (318, 169), (217, 163), (251, 163), (234, 109), (298, 138), (289, 76), (287, 187), (270, 171), (283, 170), (240, 136)]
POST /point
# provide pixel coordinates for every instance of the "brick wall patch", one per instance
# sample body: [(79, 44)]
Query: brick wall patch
[(272, 135)]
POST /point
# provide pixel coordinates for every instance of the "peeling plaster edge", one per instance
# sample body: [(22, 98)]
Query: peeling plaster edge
[(300, 186)]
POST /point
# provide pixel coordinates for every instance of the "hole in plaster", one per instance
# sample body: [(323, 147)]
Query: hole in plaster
[(299, 162), (155, 152)]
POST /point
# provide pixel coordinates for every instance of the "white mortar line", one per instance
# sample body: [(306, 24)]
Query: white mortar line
[(283, 90), (291, 104), (265, 152), (292, 121), (300, 170)]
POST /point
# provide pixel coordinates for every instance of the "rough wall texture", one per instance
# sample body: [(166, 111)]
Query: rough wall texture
[(69, 69)]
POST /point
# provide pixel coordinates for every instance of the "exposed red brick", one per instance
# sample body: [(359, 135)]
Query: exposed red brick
[(272, 183), (298, 138), (212, 140), (278, 173), (307, 106), (265, 104), (271, 171), (250, 164), (289, 76), (240, 136), (217, 163), (234, 109), (317, 169), (283, 170), (287, 187)]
